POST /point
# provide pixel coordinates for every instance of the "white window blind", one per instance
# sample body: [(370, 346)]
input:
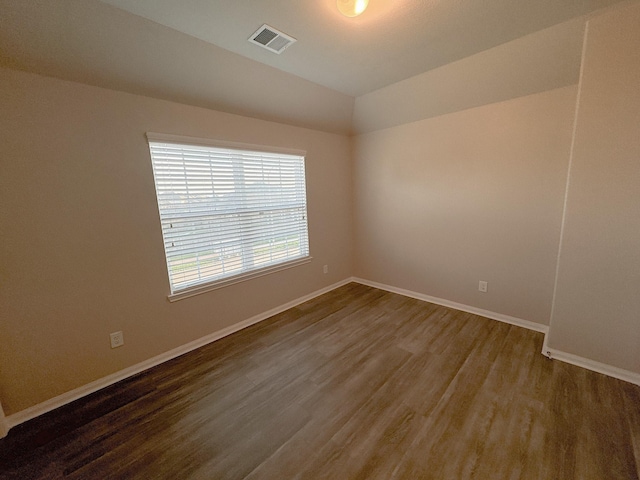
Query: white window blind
[(228, 211)]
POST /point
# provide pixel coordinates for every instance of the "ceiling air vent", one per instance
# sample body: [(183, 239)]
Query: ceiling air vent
[(271, 39)]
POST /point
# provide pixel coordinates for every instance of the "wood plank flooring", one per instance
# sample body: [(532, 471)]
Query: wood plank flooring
[(355, 384)]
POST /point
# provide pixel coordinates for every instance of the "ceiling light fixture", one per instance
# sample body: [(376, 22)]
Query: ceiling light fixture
[(352, 8)]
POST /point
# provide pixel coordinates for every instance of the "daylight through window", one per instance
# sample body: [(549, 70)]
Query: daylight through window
[(228, 212)]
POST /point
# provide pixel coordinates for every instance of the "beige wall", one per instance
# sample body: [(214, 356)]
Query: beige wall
[(475, 195), (81, 253), (597, 305)]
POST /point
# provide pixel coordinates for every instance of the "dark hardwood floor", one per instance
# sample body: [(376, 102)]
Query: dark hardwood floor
[(355, 384)]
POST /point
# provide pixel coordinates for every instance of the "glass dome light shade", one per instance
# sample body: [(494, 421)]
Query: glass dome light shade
[(352, 8)]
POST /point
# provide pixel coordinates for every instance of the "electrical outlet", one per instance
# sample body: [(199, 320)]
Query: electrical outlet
[(117, 339), (482, 286), (325, 269)]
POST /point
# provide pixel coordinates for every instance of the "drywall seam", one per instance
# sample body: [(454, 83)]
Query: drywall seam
[(75, 394), (538, 327), (594, 366), (545, 345)]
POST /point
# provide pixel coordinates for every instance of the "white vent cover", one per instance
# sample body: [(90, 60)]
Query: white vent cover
[(271, 39)]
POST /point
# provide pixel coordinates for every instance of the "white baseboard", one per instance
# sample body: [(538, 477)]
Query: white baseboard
[(20, 417), (538, 327), (592, 365), (68, 397), (545, 346)]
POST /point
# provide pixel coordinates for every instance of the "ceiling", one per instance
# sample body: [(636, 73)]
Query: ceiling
[(393, 39), (432, 56)]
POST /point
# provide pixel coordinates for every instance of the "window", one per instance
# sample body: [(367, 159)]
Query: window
[(228, 212)]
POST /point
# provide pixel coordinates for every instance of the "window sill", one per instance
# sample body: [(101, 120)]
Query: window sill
[(216, 284)]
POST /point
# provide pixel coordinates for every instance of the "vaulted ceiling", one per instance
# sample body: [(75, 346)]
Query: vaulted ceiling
[(392, 40), (196, 51)]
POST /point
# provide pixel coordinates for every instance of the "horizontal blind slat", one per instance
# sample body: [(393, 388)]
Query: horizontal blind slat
[(228, 211)]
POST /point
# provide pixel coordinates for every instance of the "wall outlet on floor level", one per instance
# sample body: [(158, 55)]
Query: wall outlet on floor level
[(117, 339), (482, 286), (325, 269)]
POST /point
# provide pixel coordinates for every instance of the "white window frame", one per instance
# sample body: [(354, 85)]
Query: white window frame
[(205, 286)]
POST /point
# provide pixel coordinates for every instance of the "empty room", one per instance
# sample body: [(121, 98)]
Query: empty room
[(320, 239)]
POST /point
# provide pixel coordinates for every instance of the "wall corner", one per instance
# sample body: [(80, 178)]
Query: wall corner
[(4, 425)]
